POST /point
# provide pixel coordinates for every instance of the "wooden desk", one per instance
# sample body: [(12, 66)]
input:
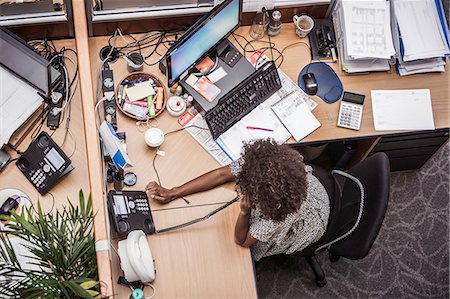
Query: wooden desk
[(202, 260), (69, 186)]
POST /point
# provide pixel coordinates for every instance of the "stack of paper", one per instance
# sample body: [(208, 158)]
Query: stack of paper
[(363, 35), (421, 36), (18, 101)]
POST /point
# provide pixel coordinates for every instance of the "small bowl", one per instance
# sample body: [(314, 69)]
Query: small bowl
[(146, 77)]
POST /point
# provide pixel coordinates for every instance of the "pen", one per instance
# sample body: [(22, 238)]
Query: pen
[(258, 128)]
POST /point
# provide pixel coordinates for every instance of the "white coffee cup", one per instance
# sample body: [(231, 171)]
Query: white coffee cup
[(303, 25), (154, 137)]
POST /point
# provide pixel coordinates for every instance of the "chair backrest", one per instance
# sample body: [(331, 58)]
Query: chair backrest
[(373, 174), (345, 204)]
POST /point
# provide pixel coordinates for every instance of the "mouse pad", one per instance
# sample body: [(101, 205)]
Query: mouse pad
[(329, 86)]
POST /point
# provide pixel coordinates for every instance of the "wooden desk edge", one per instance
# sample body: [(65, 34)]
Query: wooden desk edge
[(92, 145)]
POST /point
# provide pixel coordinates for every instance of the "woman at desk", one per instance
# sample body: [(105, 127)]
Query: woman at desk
[(284, 208)]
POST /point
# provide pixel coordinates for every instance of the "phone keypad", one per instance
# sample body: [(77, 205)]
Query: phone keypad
[(38, 177), (141, 204)]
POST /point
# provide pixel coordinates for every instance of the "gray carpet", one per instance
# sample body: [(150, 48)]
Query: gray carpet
[(410, 258)]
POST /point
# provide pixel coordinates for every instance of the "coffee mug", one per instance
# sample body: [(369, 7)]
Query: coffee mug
[(303, 25)]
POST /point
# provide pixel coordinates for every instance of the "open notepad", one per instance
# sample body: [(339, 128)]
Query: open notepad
[(286, 117), (296, 116)]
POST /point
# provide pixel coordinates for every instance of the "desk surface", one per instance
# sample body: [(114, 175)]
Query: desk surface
[(202, 260), (69, 186)]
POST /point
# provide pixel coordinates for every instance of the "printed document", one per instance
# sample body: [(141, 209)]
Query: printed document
[(368, 29), (408, 109), (296, 116)]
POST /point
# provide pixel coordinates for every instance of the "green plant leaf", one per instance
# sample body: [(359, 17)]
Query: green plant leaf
[(88, 284), (62, 244)]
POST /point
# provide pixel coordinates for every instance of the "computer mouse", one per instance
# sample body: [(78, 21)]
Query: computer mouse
[(310, 83), (10, 203)]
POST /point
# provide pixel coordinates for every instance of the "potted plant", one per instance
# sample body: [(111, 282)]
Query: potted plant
[(61, 260)]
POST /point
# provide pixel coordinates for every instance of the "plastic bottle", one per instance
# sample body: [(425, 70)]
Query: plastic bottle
[(275, 23)]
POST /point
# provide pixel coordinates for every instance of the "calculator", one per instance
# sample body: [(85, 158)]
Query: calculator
[(350, 112)]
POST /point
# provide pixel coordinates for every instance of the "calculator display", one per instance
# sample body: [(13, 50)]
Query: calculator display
[(353, 98)]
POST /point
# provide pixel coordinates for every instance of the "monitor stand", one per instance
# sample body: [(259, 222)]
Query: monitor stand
[(236, 73)]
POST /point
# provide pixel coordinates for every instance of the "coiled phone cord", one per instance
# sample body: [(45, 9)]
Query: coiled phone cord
[(179, 226)]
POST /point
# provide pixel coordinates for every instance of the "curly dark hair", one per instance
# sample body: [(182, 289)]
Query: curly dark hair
[(273, 177)]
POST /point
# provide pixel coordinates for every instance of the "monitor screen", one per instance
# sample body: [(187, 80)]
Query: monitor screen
[(202, 37), (22, 60)]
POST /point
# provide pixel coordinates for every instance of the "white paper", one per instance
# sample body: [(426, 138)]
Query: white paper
[(217, 75), (368, 29), (18, 101), (296, 116), (204, 138), (140, 91), (261, 117), (420, 28), (408, 109)]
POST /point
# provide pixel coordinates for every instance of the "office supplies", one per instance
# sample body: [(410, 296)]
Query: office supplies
[(262, 116), (408, 109), (109, 104), (258, 128), (252, 91), (322, 40), (118, 182), (113, 147), (135, 62), (296, 116), (153, 103), (209, 37), (329, 86), (136, 259), (128, 211), (350, 111), (44, 163), (154, 137), (140, 91), (309, 80), (130, 179)]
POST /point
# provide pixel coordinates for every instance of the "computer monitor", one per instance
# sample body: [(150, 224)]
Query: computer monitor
[(23, 61), (202, 37)]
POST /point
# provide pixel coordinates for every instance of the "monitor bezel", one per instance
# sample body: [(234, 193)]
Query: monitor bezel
[(193, 29), (26, 49)]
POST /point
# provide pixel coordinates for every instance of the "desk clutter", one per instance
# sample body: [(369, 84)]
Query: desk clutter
[(141, 96), (372, 35)]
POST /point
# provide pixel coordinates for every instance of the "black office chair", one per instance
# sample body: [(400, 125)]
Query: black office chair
[(342, 237)]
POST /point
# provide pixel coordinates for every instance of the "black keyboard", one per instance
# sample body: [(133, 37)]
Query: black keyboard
[(245, 97)]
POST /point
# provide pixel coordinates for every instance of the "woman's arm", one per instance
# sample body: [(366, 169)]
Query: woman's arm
[(204, 182), (242, 235)]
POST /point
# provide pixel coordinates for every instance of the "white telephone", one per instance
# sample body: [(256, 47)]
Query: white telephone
[(136, 259)]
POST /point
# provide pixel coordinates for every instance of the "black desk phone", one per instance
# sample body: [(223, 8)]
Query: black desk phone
[(128, 211), (44, 163)]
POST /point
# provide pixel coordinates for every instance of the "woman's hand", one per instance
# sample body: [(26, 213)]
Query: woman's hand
[(159, 193), (245, 205)]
